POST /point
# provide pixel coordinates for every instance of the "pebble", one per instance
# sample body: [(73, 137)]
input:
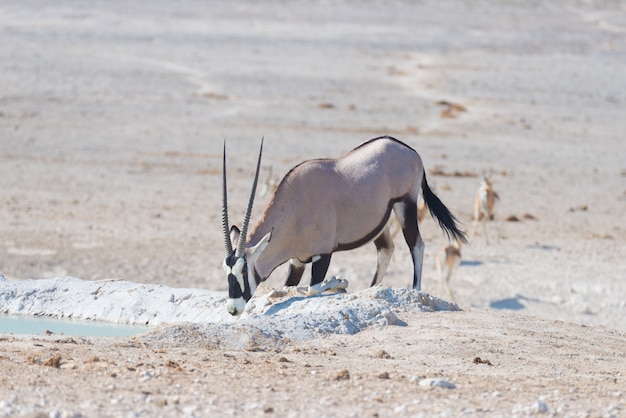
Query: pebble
[(434, 382), (539, 408), (145, 375)]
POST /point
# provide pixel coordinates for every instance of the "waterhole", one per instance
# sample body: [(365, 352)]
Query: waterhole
[(29, 325)]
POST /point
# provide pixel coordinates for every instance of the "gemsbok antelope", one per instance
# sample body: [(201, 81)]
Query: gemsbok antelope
[(327, 205), (485, 206), (448, 259)]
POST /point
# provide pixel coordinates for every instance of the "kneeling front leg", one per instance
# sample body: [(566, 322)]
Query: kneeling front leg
[(320, 268), (296, 270)]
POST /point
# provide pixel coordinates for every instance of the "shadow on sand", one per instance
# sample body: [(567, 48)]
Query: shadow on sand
[(471, 263), (514, 303)]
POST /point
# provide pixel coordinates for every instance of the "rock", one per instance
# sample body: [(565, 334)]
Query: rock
[(435, 382)]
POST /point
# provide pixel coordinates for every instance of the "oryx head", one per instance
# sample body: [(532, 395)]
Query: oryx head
[(239, 263)]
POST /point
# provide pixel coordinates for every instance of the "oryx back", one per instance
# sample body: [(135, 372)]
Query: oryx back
[(327, 205)]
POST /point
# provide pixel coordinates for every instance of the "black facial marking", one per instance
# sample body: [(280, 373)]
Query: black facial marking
[(257, 278), (230, 260), (234, 290)]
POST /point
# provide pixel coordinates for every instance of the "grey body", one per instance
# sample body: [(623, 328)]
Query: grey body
[(328, 205)]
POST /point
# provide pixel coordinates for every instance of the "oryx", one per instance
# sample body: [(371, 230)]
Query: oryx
[(327, 205)]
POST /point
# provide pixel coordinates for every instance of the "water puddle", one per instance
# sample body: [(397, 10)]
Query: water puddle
[(29, 325)]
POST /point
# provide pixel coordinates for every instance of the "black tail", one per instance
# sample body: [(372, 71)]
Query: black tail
[(441, 213)]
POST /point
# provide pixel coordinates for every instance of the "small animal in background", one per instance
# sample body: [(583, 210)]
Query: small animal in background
[(485, 206), (448, 260)]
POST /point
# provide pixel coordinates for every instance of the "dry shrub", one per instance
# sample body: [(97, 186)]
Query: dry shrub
[(478, 360), (451, 110), (54, 361), (441, 171), (216, 96), (342, 375), (325, 105), (382, 354)]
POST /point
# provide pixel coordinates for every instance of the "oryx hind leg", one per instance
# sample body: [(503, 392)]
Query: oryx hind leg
[(384, 250), (406, 211)]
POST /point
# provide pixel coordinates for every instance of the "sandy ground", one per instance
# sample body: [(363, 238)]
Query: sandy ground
[(112, 117)]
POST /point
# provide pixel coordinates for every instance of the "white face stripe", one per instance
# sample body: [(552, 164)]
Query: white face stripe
[(238, 271)]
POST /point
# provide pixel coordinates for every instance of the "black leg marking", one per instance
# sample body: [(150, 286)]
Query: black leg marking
[(410, 230), (295, 272), (319, 269)]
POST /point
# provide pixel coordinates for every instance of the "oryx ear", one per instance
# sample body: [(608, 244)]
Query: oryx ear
[(254, 252), (234, 235)]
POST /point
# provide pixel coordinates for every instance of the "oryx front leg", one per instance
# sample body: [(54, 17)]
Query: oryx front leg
[(335, 283), (384, 247), (296, 270), (406, 211), (318, 272), (319, 268)]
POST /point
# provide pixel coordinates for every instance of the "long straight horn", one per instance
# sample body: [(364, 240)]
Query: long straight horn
[(246, 219), (228, 247)]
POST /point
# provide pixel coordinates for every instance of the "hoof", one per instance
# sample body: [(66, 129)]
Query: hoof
[(334, 284)]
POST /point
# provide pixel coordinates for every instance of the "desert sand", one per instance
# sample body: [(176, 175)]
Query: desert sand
[(112, 120)]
